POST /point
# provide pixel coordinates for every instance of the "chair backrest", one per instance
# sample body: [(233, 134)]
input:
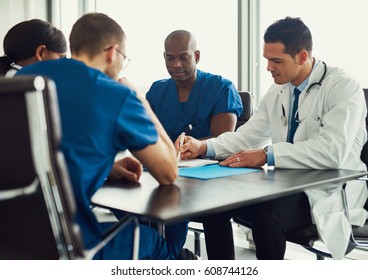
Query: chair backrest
[(36, 198), (247, 101)]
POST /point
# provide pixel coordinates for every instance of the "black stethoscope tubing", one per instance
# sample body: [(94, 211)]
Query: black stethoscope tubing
[(319, 83)]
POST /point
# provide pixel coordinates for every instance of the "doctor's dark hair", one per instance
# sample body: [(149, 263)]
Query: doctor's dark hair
[(293, 33), (22, 40), (94, 32)]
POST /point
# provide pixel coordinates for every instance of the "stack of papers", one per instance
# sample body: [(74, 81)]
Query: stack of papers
[(195, 162)]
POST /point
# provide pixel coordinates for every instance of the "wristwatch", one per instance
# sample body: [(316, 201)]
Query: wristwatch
[(265, 150)]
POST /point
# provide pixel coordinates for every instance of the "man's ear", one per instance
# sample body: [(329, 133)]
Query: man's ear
[(110, 54), (197, 56), (40, 52), (302, 56)]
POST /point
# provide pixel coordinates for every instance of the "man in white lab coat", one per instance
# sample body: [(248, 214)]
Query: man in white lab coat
[(312, 117)]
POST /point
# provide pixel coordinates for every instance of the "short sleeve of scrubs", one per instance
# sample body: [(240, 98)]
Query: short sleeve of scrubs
[(229, 101), (135, 130)]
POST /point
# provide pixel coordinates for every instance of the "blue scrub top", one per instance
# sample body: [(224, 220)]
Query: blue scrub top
[(210, 95), (99, 118)]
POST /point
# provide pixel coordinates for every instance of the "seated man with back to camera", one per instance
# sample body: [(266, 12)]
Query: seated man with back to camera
[(193, 101), (99, 118), (324, 128)]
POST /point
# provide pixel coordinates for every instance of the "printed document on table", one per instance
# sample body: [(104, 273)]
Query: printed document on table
[(195, 162)]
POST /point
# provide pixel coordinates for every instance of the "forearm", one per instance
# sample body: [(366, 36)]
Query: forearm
[(160, 160), (221, 123)]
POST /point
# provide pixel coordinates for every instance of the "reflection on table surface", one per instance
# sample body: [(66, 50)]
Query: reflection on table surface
[(189, 198)]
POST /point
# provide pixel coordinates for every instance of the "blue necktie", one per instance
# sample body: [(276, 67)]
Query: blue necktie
[(294, 116)]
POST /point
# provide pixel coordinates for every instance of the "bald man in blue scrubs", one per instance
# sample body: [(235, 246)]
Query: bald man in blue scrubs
[(199, 103)]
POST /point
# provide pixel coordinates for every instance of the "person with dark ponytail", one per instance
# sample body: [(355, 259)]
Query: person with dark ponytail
[(28, 42)]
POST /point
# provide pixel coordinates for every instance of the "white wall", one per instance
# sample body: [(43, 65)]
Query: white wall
[(15, 11), (148, 22)]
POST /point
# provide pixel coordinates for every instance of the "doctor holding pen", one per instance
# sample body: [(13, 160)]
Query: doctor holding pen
[(312, 117), (209, 103)]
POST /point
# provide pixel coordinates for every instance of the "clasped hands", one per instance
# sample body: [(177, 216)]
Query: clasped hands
[(127, 168), (193, 148)]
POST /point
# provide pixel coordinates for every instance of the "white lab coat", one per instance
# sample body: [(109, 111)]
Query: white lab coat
[(331, 135)]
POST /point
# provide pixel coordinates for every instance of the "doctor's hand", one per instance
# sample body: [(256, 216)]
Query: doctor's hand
[(192, 148), (127, 168), (247, 158)]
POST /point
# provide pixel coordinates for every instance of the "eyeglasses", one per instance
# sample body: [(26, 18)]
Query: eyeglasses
[(126, 59)]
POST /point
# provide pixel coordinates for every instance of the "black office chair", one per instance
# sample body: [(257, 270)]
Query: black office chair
[(36, 198), (308, 237), (247, 101)]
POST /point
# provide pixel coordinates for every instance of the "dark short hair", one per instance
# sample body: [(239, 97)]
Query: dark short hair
[(92, 32), (22, 40), (292, 32)]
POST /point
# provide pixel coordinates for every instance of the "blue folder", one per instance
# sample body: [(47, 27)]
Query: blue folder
[(213, 171)]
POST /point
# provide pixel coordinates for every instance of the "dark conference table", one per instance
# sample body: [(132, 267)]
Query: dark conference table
[(189, 198)]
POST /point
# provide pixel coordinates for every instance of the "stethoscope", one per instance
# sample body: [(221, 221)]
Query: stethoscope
[(319, 83)]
